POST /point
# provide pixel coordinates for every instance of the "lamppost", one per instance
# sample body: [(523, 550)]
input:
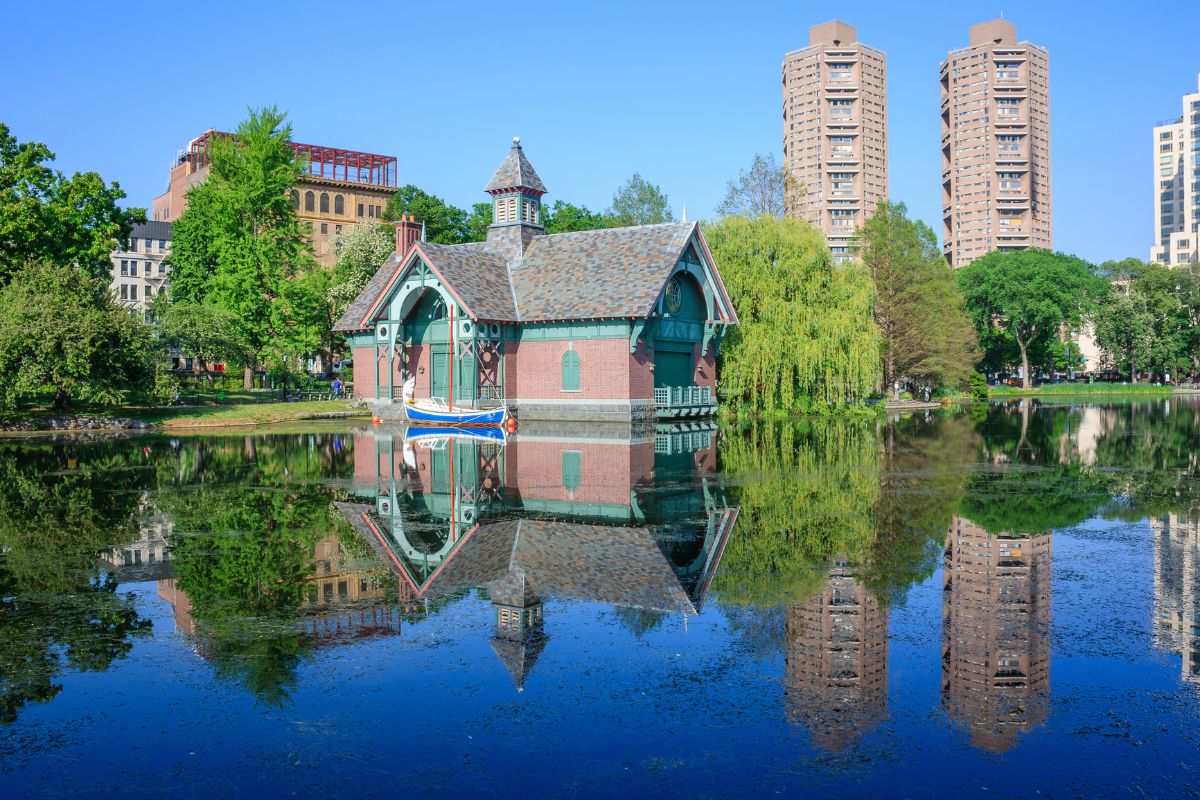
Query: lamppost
[(285, 377)]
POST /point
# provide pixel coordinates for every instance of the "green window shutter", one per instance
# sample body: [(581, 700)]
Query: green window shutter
[(572, 469), (570, 371)]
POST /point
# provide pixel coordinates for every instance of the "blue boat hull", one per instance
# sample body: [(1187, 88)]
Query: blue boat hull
[(469, 417), (489, 434)]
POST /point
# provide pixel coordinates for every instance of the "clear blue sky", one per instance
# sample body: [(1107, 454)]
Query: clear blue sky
[(684, 93)]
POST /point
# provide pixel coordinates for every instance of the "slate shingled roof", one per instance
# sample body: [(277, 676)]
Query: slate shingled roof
[(477, 275), (514, 172), (612, 272), (351, 319), (602, 274)]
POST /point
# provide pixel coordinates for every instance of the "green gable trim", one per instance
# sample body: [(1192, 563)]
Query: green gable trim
[(360, 339), (563, 331)]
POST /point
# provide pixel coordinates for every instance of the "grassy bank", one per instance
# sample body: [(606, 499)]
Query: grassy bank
[(180, 418), (1078, 389)]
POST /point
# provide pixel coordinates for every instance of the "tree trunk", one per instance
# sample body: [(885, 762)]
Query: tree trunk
[(1132, 367), (1025, 377), (60, 399), (248, 378)]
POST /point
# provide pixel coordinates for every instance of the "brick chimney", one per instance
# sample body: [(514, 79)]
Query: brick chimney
[(408, 233)]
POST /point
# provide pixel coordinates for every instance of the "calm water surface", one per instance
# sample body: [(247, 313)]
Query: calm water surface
[(1000, 603)]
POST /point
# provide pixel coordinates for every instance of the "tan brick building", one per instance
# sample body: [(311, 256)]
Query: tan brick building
[(341, 189), (995, 145), (138, 273), (995, 632), (835, 132)]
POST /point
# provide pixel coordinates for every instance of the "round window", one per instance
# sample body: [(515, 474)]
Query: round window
[(674, 295)]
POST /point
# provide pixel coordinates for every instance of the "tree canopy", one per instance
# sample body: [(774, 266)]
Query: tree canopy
[(639, 202), (563, 217), (765, 189), (444, 223), (46, 216), (927, 334), (361, 251), (61, 330), (807, 339), (240, 239), (1150, 321), (1030, 295)]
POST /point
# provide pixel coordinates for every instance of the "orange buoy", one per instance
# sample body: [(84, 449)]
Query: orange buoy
[(376, 420), (512, 425)]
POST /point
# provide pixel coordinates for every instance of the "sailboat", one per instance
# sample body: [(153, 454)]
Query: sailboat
[(437, 411)]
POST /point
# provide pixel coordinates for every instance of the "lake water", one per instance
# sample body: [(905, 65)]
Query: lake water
[(1003, 602)]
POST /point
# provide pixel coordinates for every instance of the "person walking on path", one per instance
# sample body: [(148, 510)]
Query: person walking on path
[(337, 388)]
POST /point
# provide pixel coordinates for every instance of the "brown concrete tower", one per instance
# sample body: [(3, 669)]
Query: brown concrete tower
[(995, 145), (835, 132)]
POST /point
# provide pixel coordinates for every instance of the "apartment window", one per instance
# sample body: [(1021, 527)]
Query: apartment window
[(337, 229), (162, 269), (124, 292), (295, 200), (324, 228), (360, 209), (309, 201), (147, 267), (339, 204), (1165, 148), (324, 203), (371, 211), (133, 291), (1164, 135), (133, 268), (133, 245), (841, 212), (124, 267)]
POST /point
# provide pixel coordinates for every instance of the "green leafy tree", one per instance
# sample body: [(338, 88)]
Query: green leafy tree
[(927, 333), (61, 330), (765, 189), (639, 202), (480, 220), (361, 251), (207, 332), (563, 217), (1125, 329), (46, 216), (1030, 294), (240, 239), (807, 339), (444, 223)]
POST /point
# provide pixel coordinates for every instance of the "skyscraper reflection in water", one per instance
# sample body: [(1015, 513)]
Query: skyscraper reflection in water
[(1176, 593), (836, 661), (995, 632)]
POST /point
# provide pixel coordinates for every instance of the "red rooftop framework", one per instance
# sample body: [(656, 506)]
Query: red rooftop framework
[(322, 162)]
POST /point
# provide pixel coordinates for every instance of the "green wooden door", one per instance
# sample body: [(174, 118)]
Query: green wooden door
[(672, 369), (440, 379)]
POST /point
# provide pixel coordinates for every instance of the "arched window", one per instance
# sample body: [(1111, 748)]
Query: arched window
[(295, 200), (339, 204), (570, 371), (309, 199), (324, 203)]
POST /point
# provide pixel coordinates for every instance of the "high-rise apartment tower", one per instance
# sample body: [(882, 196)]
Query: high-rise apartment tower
[(995, 145), (835, 132), (1177, 186)]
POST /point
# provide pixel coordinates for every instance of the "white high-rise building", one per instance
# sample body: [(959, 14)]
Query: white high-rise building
[(1177, 186)]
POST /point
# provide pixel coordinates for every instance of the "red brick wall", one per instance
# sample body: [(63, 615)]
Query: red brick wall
[(605, 370), (641, 377), (706, 367), (608, 471), (364, 371)]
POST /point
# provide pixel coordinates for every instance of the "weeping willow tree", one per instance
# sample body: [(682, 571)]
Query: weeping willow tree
[(807, 491), (807, 339)]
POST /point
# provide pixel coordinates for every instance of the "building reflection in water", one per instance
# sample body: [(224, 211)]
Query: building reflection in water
[(995, 632), (836, 661), (590, 514), (1176, 594)]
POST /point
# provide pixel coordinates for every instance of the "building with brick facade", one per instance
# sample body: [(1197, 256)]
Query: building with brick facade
[(612, 324), (339, 190), (995, 145), (835, 132), (589, 515)]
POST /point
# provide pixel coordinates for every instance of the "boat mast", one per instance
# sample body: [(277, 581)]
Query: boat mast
[(450, 369)]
